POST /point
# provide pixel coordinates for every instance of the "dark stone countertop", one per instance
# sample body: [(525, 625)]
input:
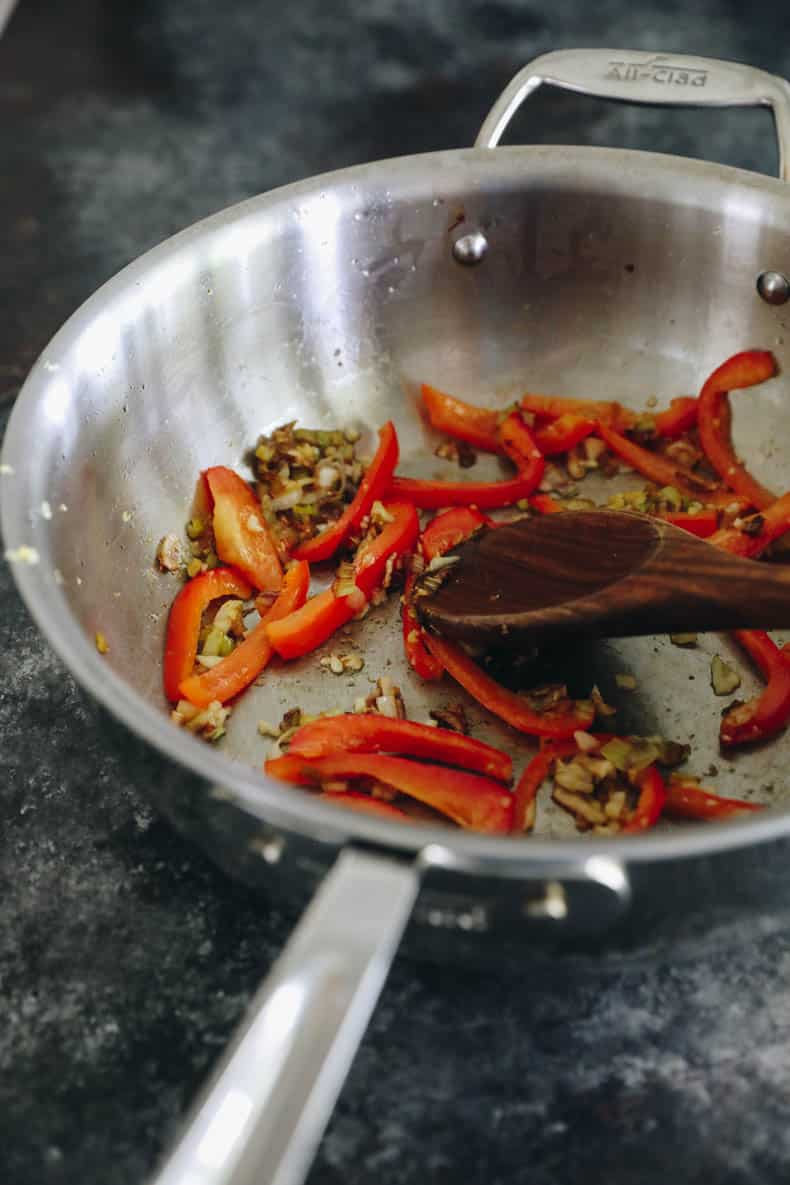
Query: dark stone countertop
[(126, 959)]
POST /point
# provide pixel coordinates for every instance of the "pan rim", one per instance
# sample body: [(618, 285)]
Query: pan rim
[(267, 801)]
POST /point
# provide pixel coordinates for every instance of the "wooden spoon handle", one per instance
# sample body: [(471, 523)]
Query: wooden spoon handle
[(689, 581)]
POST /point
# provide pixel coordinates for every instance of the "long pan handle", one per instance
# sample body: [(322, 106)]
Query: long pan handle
[(261, 1118), (631, 76)]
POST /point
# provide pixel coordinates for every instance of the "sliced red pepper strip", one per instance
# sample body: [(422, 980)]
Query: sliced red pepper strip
[(761, 648), (655, 466), (679, 417), (373, 733), (183, 624), (471, 800), (559, 722), (533, 778), (443, 532), (447, 530), (418, 656), (770, 524), (767, 714), (517, 443), (245, 663), (563, 434), (703, 524), (435, 495), (322, 615), (603, 411), (397, 538), (687, 800), (545, 504), (742, 370), (476, 425), (365, 803), (305, 630), (650, 804), (240, 532), (371, 489)]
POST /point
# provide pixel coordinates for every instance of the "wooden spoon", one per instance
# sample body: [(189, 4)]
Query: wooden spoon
[(604, 573)]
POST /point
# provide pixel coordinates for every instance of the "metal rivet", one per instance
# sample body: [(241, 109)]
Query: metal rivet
[(470, 248), (773, 287)]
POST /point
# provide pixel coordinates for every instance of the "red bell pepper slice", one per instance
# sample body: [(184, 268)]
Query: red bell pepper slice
[(559, 722), (545, 504), (516, 442), (322, 615), (418, 656), (687, 800), (447, 530), (309, 627), (397, 538), (704, 524), (768, 713), (373, 733), (183, 624), (365, 803), (604, 411), (371, 489), (435, 495), (476, 425), (679, 417), (444, 532), (741, 370), (649, 805), (769, 524), (563, 434), (654, 466), (245, 663), (533, 778), (471, 800), (240, 532), (762, 650)]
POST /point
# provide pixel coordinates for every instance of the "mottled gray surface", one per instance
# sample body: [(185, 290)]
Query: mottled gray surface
[(125, 958)]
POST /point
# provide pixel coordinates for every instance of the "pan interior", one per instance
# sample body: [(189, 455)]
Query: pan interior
[(609, 275)]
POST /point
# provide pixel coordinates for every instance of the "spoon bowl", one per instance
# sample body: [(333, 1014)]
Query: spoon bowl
[(596, 573)]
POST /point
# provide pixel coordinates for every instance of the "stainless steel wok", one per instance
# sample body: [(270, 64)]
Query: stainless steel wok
[(572, 270)]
